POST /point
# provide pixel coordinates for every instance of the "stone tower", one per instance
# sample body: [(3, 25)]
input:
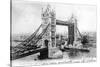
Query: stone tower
[(73, 28), (49, 39)]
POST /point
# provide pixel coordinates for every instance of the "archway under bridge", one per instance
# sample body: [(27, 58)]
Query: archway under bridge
[(71, 30)]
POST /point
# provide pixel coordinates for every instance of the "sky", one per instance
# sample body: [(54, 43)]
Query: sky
[(26, 16)]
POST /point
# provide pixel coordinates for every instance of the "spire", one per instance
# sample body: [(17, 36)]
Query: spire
[(47, 11), (73, 18)]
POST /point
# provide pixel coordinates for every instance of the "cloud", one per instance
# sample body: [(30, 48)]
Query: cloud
[(26, 16)]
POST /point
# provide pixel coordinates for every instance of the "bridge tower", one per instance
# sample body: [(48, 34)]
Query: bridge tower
[(49, 39), (73, 33)]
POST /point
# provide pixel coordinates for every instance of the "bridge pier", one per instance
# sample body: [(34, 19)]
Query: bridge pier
[(43, 54)]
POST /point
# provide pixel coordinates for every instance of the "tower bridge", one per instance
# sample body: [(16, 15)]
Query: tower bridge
[(45, 42)]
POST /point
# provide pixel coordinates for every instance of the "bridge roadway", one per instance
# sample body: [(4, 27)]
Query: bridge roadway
[(66, 48), (65, 23), (42, 51)]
